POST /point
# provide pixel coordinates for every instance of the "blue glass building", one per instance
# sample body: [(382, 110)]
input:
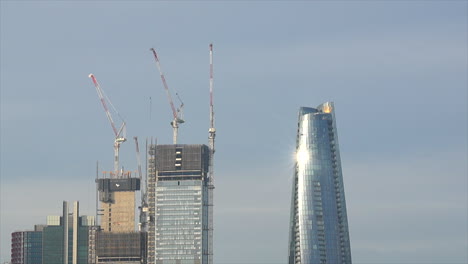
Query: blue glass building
[(319, 225), (178, 204), (26, 247)]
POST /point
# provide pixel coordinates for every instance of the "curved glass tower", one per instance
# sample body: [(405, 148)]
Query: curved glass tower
[(319, 224)]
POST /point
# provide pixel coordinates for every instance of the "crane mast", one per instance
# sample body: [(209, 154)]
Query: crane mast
[(176, 113), (119, 134), (211, 142), (142, 225), (138, 157)]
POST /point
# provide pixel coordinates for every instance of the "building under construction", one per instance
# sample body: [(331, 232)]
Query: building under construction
[(122, 248), (176, 214), (178, 191), (178, 204), (116, 192), (116, 241), (117, 197)]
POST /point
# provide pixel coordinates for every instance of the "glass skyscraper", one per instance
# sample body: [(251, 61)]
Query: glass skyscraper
[(178, 204), (319, 225)]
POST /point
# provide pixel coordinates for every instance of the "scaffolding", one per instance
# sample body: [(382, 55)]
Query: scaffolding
[(119, 247), (151, 195)]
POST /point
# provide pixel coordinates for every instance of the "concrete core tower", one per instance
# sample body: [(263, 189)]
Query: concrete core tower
[(117, 197)]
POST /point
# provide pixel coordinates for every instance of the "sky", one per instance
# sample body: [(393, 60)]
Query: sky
[(396, 70)]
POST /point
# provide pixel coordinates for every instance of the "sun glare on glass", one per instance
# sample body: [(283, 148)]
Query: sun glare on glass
[(302, 156)]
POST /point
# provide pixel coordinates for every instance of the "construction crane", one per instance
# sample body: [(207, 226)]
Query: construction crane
[(118, 133), (143, 192), (144, 205), (212, 129), (177, 113), (211, 142), (138, 157)]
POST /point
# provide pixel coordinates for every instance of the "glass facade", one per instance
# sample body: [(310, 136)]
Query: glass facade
[(180, 206), (179, 221), (53, 245), (82, 245), (26, 247), (319, 225), (66, 240)]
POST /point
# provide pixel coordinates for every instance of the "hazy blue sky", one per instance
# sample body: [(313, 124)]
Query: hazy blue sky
[(396, 70)]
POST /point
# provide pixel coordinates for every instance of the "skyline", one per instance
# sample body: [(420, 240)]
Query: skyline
[(396, 71)]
